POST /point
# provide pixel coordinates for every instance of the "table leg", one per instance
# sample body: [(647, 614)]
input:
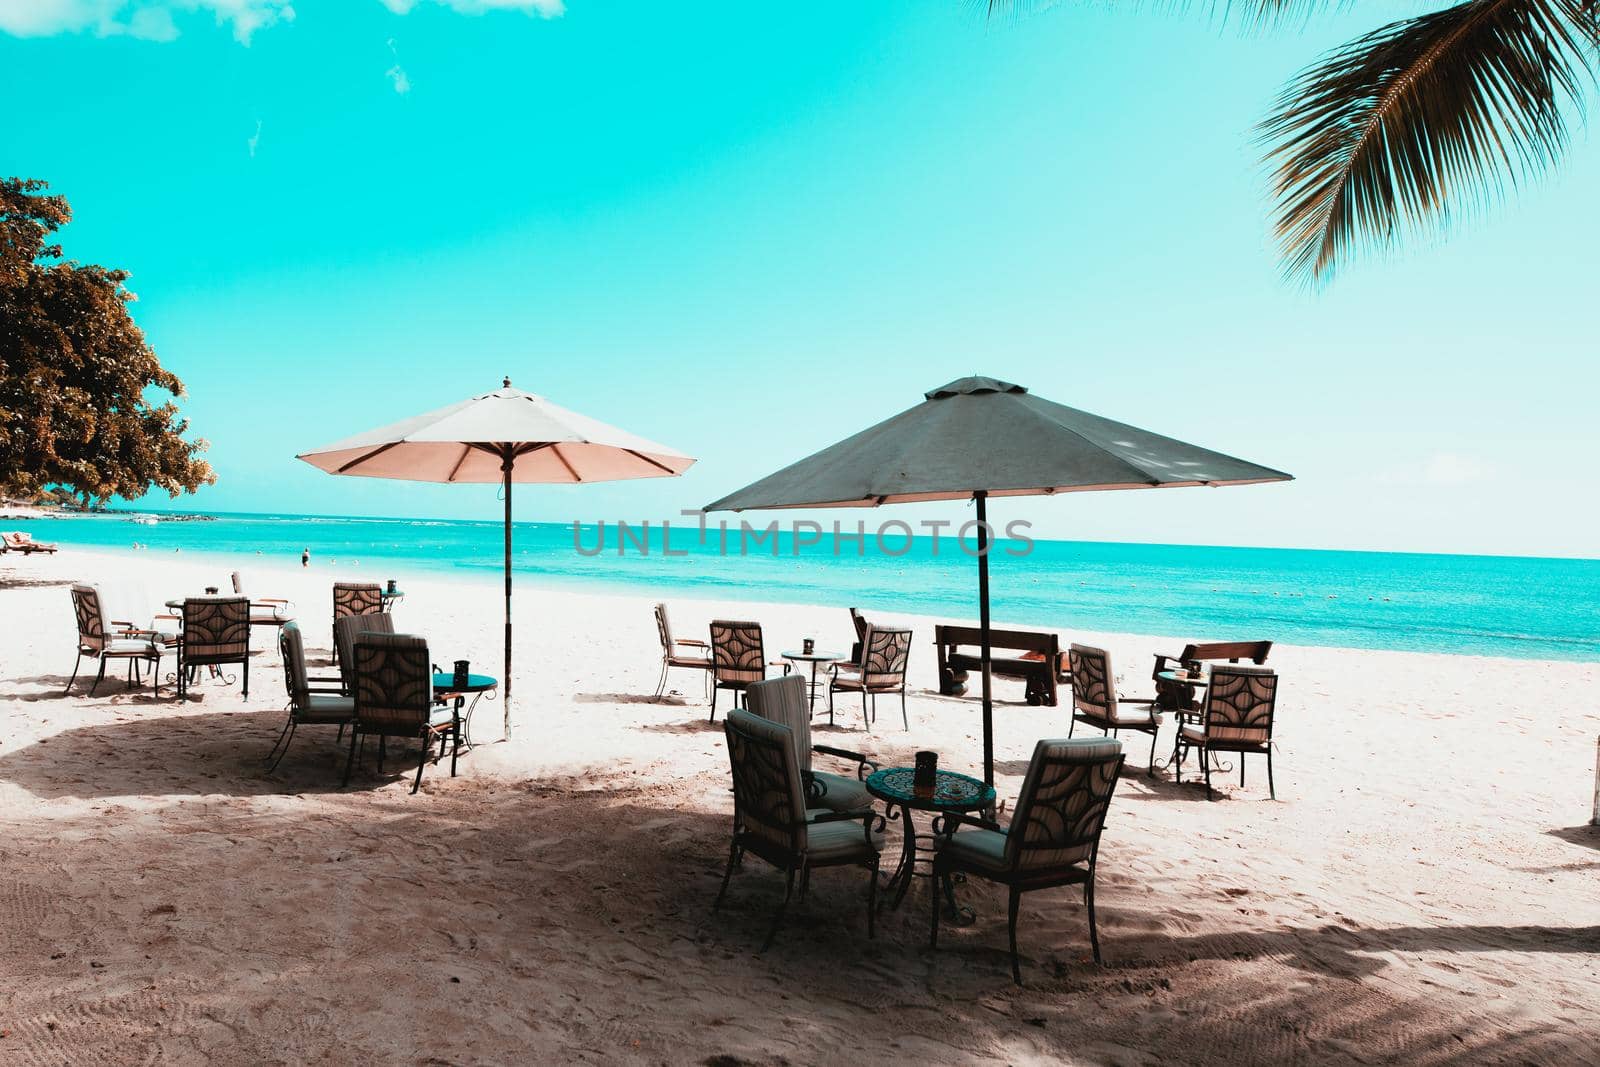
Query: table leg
[(894, 889), (811, 692)]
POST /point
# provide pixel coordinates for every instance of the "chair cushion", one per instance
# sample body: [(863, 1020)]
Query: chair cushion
[(1126, 713), (689, 661), (129, 646), (260, 616), (328, 708), (1226, 735), (840, 842), (442, 716), (841, 793), (983, 849)]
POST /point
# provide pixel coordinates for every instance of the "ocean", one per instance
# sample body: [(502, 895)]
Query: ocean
[(1531, 608)]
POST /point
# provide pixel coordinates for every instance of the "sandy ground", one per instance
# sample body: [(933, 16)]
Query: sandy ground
[(1425, 889)]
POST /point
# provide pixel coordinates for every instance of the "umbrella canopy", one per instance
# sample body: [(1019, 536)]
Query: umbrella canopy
[(982, 437), (505, 436)]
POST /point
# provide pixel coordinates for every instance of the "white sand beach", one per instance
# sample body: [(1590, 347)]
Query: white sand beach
[(1424, 889)]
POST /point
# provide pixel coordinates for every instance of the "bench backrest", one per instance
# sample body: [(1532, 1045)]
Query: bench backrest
[(1232, 651), (1017, 640)]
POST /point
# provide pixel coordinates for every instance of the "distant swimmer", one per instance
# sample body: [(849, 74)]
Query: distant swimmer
[(305, 557)]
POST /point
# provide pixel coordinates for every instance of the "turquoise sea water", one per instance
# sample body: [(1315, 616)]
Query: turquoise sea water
[(1477, 605)]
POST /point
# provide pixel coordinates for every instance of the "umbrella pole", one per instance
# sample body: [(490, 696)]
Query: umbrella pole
[(983, 628), (505, 468)]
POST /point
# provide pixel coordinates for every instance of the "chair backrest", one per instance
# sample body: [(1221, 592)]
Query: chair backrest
[(1063, 802), (91, 623), (238, 584), (783, 700), (884, 655), (293, 649), (664, 629), (768, 796), (859, 621), (736, 651), (1232, 651), (345, 633), (393, 683), (1093, 685), (356, 598), (216, 629), (1240, 703)]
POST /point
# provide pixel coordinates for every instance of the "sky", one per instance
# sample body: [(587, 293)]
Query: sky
[(750, 230)]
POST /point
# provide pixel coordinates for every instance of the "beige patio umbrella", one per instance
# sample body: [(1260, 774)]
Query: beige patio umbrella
[(978, 438), (505, 436)]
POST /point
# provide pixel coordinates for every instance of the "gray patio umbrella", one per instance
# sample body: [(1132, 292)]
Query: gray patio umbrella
[(505, 436), (981, 438)]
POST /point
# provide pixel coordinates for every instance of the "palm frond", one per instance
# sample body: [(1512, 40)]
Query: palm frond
[(1254, 14), (1428, 114)]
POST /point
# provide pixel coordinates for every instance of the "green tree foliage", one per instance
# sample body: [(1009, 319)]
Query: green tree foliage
[(75, 371)]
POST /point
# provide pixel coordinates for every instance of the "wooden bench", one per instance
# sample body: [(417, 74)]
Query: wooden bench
[(1039, 665)]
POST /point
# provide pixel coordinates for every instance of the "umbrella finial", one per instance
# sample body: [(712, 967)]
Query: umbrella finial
[(506, 381)]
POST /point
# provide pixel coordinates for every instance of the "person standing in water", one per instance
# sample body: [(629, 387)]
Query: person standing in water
[(305, 557)]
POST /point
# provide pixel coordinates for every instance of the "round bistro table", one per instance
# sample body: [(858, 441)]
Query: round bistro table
[(951, 792), (1187, 718), (815, 659), (445, 688)]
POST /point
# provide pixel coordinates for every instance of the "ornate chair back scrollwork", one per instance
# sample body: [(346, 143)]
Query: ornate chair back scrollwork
[(95, 643), (1240, 706), (783, 700), (355, 598), (1096, 702), (216, 633), (1054, 836), (345, 633), (737, 658), (880, 668), (770, 817), (394, 698)]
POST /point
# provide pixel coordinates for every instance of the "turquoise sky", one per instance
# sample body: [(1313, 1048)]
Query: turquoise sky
[(750, 230)]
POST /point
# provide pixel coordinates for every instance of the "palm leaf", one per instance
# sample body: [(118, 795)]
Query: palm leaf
[(1424, 115), (1252, 13)]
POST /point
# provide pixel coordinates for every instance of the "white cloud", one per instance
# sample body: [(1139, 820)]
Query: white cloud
[(148, 19), (397, 73), (1443, 468), (154, 20)]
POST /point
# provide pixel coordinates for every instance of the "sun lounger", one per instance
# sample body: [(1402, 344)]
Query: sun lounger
[(24, 543)]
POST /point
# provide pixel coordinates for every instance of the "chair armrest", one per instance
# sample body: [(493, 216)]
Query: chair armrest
[(845, 754), (1163, 662), (692, 642), (870, 820), (954, 819)]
